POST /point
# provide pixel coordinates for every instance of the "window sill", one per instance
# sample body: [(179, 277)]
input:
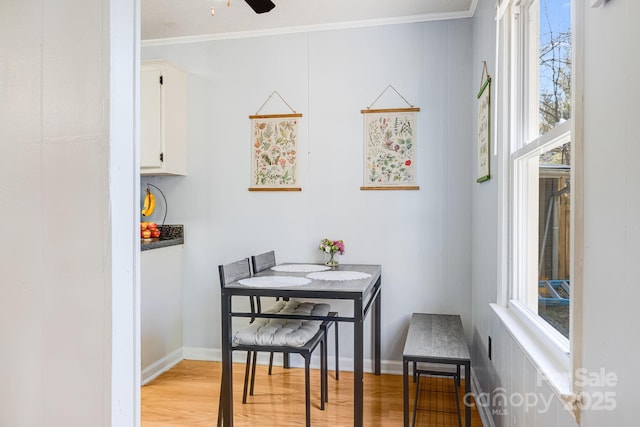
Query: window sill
[(544, 352)]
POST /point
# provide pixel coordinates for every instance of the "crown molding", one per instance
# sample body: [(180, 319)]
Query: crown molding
[(311, 28)]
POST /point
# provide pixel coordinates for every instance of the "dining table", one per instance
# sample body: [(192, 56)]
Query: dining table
[(358, 283)]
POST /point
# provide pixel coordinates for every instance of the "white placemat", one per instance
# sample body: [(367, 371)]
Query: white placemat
[(300, 268), (338, 275), (274, 281)]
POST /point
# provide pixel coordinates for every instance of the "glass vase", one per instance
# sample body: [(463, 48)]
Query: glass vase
[(333, 260)]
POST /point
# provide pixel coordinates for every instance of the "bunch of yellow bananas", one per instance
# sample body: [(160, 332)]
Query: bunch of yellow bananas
[(149, 203)]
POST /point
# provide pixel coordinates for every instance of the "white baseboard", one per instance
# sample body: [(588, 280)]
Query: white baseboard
[(483, 410), (346, 364), (169, 361), (392, 367), (201, 353)]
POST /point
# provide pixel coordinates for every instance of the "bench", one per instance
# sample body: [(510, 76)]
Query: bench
[(437, 339)]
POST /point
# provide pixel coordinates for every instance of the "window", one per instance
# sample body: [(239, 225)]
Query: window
[(539, 163), (538, 132)]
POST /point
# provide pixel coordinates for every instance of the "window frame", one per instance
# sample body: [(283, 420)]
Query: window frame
[(524, 252), (555, 356)]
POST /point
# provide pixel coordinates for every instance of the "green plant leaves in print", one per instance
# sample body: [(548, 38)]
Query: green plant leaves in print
[(274, 151), (389, 148)]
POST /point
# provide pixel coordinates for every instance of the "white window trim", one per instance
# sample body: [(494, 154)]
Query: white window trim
[(577, 199), (526, 176), (548, 351)]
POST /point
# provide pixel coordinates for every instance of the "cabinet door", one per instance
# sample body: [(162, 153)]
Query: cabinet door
[(150, 119)]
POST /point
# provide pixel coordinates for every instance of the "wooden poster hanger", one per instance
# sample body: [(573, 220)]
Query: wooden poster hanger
[(275, 116), (390, 110)]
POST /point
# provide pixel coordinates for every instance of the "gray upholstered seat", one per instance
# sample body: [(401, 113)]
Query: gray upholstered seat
[(283, 332)]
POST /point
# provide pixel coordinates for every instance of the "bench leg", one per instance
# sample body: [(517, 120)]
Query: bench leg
[(405, 391), (415, 401), (456, 384)]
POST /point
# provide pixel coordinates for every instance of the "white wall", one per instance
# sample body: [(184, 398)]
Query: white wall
[(612, 203), (421, 238), (611, 232), (62, 245), (484, 202)]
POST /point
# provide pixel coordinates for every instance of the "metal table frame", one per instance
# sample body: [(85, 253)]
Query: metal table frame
[(365, 294)]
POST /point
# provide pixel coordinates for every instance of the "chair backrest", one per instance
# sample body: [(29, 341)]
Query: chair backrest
[(263, 261), (234, 271)]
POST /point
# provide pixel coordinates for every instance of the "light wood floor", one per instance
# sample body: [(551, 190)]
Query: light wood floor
[(187, 395)]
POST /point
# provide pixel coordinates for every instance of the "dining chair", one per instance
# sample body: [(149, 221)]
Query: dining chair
[(288, 336), (263, 262), (260, 263)]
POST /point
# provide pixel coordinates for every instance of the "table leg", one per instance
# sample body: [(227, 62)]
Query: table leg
[(227, 379), (405, 391), (377, 310), (358, 363)]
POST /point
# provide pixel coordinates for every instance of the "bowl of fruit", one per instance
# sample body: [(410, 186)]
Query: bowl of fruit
[(149, 230)]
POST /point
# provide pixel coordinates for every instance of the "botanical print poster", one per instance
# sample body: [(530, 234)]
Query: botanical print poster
[(484, 104), (390, 149), (274, 151)]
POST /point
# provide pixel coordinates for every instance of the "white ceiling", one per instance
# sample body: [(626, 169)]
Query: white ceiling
[(192, 20)]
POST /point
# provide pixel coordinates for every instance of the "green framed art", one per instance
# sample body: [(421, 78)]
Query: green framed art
[(484, 131)]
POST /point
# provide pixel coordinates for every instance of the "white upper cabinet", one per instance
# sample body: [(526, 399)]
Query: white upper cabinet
[(163, 119)]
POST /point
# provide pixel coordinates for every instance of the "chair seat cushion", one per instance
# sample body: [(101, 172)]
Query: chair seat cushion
[(284, 332)]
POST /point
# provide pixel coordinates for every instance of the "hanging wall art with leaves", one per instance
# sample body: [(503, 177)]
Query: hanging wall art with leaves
[(390, 149), (390, 142), (274, 153)]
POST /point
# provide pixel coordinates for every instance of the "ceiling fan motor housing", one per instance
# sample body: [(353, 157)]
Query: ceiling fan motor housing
[(261, 6)]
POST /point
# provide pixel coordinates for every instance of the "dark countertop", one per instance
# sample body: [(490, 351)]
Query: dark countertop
[(171, 235)]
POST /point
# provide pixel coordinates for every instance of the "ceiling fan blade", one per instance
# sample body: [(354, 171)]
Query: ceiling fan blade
[(261, 6)]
